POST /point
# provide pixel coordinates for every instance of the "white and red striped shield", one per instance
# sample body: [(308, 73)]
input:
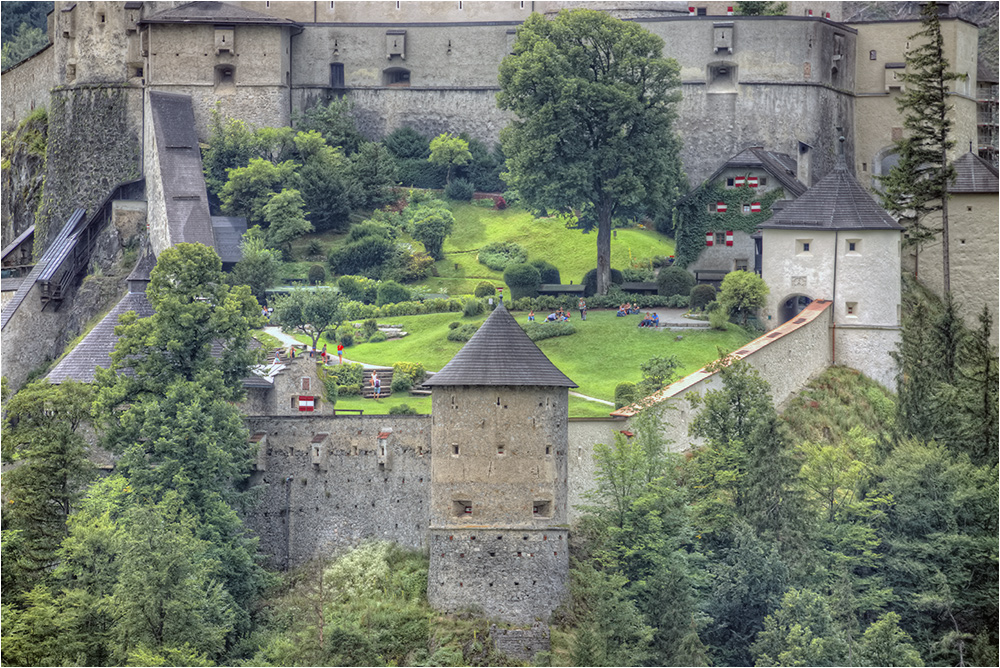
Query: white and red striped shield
[(740, 181), (306, 403), (729, 238), (754, 207), (752, 181), (729, 11), (720, 207), (709, 238), (691, 11)]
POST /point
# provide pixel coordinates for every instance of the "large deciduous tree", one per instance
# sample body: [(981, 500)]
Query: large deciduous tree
[(917, 186), (594, 103), (310, 312)]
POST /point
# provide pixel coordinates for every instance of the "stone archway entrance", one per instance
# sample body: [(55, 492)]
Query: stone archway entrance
[(791, 307)]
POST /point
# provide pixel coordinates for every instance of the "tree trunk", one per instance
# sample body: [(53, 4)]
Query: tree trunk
[(603, 248), (945, 246)]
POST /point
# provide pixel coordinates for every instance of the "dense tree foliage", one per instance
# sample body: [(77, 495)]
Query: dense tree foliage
[(594, 103), (916, 187)]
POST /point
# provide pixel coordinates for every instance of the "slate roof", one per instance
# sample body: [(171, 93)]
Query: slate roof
[(214, 12), (781, 166), (837, 202), (12, 246), (184, 194), (143, 267), (974, 175), (95, 349), (500, 353), (228, 231)]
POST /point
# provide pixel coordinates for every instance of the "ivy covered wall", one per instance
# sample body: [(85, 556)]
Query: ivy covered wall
[(694, 218)]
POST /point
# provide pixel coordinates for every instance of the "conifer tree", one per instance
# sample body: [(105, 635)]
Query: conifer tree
[(917, 186)]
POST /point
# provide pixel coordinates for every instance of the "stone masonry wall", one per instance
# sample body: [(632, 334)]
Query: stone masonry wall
[(325, 486), (26, 86)]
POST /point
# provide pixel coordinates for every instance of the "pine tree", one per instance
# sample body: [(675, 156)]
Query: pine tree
[(918, 185)]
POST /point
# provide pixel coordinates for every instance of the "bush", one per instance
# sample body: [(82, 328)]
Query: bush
[(401, 383), (625, 394), (638, 274), (540, 330), (370, 228), (523, 280), (330, 389), (701, 295), (418, 173), (391, 292), (315, 249), (346, 375), (662, 261), (718, 319), (674, 281), (413, 370), (317, 274), (366, 254), (369, 327), (485, 289), (454, 325), (678, 301), (463, 333), (377, 337), (547, 271), (590, 281), (501, 254), (402, 409), (460, 190), (349, 390), (500, 202), (358, 288), (472, 307), (406, 142), (347, 338)]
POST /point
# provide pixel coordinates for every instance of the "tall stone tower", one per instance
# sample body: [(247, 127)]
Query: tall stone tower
[(498, 521)]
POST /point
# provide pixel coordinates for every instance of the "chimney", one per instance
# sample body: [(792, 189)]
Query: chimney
[(803, 171)]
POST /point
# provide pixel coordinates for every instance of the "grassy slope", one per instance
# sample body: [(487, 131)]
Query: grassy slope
[(475, 227), (605, 351)]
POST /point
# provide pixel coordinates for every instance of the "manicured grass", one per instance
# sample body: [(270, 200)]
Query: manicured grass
[(572, 251), (605, 350)]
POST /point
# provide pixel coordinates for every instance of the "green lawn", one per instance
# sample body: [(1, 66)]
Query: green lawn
[(459, 272), (605, 350), (577, 407)]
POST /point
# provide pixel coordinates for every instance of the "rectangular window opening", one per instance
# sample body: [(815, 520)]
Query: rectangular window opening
[(541, 509), (462, 507), (454, 449), (852, 309)]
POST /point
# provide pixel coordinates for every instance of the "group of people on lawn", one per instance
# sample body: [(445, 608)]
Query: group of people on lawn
[(650, 319)]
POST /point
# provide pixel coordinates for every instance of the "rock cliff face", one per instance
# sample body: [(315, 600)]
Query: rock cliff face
[(23, 175)]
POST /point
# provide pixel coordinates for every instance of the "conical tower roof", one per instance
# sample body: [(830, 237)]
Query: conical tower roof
[(500, 353), (837, 202)]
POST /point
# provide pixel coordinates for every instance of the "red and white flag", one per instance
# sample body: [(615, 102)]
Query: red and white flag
[(754, 207), (306, 403), (740, 180), (720, 207), (729, 238)]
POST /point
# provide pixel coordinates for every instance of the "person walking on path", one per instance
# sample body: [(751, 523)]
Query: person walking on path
[(324, 353), (583, 309), (340, 353)]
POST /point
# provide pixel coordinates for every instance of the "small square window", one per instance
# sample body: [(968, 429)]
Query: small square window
[(702, 11), (762, 180), (852, 309), (730, 182), (711, 207), (853, 245), (746, 208), (461, 507), (803, 246), (873, 55), (541, 509), (501, 449), (720, 238)]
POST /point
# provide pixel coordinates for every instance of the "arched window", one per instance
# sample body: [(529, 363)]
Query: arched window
[(396, 76)]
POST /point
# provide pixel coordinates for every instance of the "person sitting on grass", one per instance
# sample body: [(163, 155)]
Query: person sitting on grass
[(644, 322), (655, 322), (551, 317), (531, 316), (622, 311)]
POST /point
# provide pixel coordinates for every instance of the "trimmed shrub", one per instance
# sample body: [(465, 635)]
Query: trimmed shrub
[(401, 383), (523, 281), (463, 333), (472, 307), (540, 330), (547, 271), (369, 327), (347, 338), (368, 253), (501, 254), (701, 295), (358, 288), (678, 301), (590, 281), (349, 390), (402, 409), (674, 281), (391, 292), (485, 289), (377, 337), (317, 274), (405, 142), (370, 228), (460, 190), (625, 394), (454, 325)]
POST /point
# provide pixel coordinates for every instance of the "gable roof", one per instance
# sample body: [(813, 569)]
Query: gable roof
[(837, 202), (214, 12), (184, 195), (781, 166), (974, 175), (500, 353)]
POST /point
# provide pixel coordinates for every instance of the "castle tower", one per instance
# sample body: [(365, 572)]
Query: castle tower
[(836, 243), (498, 520)]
